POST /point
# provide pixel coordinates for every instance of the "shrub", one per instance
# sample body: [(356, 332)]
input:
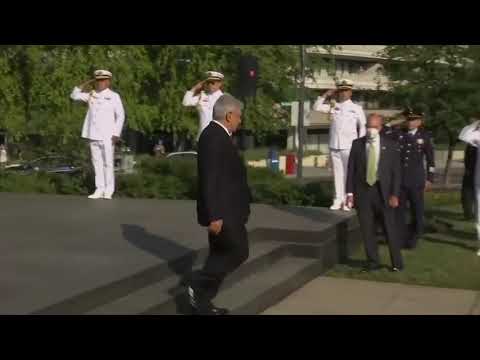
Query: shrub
[(36, 183), (159, 178), (75, 184), (151, 186), (320, 193), (272, 188)]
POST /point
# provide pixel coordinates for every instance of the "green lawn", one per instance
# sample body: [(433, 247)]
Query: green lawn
[(445, 257)]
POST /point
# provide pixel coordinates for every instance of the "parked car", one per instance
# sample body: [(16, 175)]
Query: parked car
[(48, 164)]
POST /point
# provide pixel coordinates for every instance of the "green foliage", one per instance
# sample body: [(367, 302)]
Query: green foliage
[(71, 185), (37, 183), (442, 79), (319, 193), (269, 187), (151, 186), (165, 179), (152, 79), (160, 179)]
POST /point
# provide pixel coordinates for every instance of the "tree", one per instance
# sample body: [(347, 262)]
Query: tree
[(441, 79), (12, 101), (179, 67), (152, 79)]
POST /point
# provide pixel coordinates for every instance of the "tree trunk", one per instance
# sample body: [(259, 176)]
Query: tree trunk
[(451, 147)]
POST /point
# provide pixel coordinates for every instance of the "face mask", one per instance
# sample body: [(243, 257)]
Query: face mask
[(372, 133)]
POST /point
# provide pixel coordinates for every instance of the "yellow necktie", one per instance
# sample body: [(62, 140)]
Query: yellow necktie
[(372, 163)]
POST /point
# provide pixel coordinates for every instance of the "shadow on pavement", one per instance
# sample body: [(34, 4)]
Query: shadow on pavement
[(180, 259)]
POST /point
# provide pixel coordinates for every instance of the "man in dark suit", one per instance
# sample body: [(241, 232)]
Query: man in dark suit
[(223, 204), (373, 188), (468, 182)]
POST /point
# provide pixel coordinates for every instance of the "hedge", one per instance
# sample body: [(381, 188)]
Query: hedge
[(165, 179)]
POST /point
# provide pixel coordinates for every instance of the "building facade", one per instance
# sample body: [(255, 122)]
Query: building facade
[(360, 63)]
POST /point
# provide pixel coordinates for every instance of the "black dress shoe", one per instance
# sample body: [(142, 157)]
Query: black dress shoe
[(397, 269), (209, 310), (371, 267), (202, 307), (216, 311)]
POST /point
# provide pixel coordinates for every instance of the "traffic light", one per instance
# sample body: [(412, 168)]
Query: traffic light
[(248, 76)]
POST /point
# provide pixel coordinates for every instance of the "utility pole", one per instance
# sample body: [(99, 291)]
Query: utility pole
[(301, 100)]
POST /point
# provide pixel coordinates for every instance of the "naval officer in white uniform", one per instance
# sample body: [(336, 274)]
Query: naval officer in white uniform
[(203, 96), (347, 124), (102, 127)]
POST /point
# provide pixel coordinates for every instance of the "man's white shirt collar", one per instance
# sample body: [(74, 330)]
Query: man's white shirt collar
[(413, 131), (345, 103), (104, 93), (223, 126)]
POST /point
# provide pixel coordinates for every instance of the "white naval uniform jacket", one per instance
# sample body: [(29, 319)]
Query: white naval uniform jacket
[(105, 116), (348, 122), (471, 135), (204, 103)]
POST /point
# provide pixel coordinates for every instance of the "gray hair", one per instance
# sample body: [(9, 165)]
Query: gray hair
[(225, 104)]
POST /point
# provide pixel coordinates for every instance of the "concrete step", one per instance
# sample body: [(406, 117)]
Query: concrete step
[(169, 291), (161, 289), (328, 250), (267, 288), (97, 297), (260, 289), (168, 297)]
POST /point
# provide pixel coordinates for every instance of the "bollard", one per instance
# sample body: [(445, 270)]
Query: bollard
[(291, 164), (274, 161)]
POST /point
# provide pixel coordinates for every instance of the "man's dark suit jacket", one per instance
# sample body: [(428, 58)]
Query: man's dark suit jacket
[(222, 179), (389, 170)]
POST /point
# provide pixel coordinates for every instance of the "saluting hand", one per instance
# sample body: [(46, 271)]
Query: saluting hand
[(82, 86), (197, 88), (329, 93)]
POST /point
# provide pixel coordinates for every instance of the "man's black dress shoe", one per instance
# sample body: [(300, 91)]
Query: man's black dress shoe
[(397, 269), (199, 307), (211, 310)]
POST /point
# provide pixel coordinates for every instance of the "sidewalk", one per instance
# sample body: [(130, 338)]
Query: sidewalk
[(335, 296)]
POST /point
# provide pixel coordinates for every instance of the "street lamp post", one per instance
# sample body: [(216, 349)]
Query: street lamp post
[(301, 139)]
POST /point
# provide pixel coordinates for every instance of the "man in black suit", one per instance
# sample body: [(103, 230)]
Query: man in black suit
[(468, 182), (223, 204), (373, 188)]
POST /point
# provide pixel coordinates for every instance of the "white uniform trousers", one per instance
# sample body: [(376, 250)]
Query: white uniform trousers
[(339, 160), (102, 160)]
